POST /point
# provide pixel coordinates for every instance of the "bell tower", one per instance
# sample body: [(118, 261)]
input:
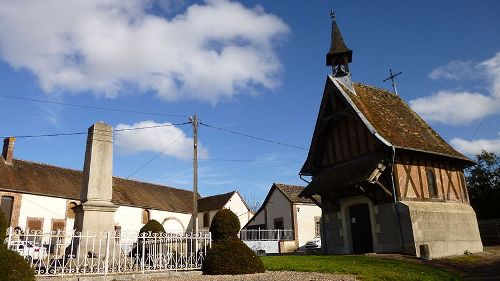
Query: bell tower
[(339, 56)]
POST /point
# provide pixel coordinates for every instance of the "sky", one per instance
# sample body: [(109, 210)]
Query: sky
[(254, 67)]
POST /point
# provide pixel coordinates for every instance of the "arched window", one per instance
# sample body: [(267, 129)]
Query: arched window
[(431, 184), (145, 216), (70, 210)]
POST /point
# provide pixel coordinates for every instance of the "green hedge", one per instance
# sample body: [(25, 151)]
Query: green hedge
[(225, 225), (13, 267), (229, 255)]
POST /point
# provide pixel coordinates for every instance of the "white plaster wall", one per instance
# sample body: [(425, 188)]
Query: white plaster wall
[(257, 219), (172, 221), (44, 207), (305, 221), (130, 219), (278, 206), (238, 207)]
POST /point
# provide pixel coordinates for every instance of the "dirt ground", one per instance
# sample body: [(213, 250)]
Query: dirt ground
[(480, 266), (475, 267)]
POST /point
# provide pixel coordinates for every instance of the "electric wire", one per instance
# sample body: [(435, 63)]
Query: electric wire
[(84, 133), (92, 107), (490, 106), (157, 155), (252, 137)]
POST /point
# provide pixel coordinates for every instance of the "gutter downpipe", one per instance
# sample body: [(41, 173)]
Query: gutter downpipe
[(396, 200)]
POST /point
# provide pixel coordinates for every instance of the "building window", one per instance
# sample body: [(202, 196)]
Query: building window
[(278, 223), (145, 216), (317, 226), (34, 229), (6, 206), (70, 210), (206, 219), (431, 184)]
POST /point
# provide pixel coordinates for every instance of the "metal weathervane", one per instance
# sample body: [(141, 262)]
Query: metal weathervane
[(391, 77)]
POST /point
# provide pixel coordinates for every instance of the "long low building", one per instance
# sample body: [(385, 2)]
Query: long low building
[(43, 197)]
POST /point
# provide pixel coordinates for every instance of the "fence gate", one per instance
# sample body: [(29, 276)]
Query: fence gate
[(72, 253)]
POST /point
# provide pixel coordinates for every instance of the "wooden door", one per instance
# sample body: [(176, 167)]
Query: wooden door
[(361, 229)]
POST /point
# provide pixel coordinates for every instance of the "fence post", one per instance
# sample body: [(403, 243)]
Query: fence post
[(278, 234), (10, 236), (259, 234), (106, 258)]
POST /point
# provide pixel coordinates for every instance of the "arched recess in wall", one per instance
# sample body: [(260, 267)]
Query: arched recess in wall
[(172, 224)]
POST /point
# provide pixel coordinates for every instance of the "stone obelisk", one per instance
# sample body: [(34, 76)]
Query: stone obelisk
[(96, 213)]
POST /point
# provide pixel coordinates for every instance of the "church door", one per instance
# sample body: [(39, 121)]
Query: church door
[(361, 229)]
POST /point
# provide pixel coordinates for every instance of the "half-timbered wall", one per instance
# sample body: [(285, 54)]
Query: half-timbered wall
[(412, 179), (342, 136)]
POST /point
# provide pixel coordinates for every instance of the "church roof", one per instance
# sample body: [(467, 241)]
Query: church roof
[(397, 123), (46, 180), (215, 202)]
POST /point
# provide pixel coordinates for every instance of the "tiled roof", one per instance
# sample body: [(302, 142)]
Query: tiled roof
[(42, 179), (215, 202), (292, 193), (396, 122)]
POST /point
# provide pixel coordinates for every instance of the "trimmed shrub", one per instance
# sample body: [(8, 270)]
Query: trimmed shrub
[(3, 227), (13, 267), (152, 226), (225, 225), (229, 255), (232, 257)]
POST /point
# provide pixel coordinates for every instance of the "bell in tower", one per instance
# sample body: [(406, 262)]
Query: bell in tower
[(339, 55)]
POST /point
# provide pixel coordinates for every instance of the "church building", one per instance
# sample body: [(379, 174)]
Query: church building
[(388, 182)]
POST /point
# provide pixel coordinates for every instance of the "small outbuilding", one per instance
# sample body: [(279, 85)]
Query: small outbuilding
[(388, 182)]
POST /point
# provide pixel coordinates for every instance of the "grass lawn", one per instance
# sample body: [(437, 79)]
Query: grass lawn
[(365, 268)]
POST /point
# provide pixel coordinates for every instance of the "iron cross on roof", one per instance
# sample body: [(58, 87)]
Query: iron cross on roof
[(391, 77)]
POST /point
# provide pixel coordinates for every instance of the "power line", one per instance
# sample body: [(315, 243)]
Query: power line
[(157, 155), (252, 137), (240, 160), (92, 107), (84, 133), (490, 106)]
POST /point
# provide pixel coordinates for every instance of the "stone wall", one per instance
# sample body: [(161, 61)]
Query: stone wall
[(447, 228)]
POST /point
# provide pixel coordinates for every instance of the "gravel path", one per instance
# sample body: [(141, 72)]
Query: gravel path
[(267, 276)]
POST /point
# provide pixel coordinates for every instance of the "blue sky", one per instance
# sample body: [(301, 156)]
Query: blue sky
[(256, 67)]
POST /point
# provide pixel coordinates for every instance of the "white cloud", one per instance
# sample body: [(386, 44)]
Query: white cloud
[(462, 107), (455, 70), (168, 140), (454, 108), (474, 147), (211, 51)]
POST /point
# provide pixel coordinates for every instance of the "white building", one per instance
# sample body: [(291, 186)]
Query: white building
[(208, 207), (43, 197), (283, 209)]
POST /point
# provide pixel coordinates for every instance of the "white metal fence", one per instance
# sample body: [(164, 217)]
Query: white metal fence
[(266, 234), (490, 231), (73, 253)]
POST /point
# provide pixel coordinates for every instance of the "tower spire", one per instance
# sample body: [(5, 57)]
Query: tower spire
[(339, 56)]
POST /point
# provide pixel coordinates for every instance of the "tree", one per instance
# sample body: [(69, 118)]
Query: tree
[(483, 181)]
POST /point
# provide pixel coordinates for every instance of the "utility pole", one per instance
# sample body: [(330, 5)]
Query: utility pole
[(194, 121), (391, 77)]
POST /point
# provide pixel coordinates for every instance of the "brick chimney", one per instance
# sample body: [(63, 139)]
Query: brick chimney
[(8, 149)]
